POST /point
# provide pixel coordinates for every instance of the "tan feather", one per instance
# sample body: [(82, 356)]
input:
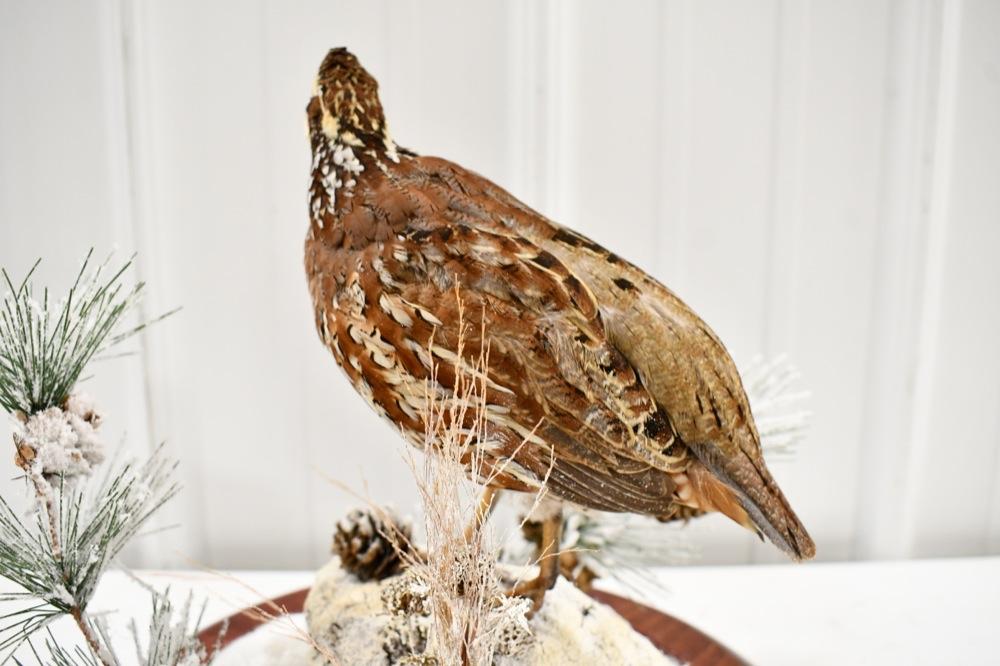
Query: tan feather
[(617, 386)]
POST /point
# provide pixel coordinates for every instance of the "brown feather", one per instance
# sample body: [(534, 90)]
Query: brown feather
[(617, 386)]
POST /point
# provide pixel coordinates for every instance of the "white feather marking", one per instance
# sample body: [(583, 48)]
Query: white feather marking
[(395, 310), (429, 317), (381, 359)]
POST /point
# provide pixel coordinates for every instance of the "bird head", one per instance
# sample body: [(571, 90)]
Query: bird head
[(345, 106)]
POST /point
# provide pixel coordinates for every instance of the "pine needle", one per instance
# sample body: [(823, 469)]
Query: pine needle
[(91, 529), (45, 346)]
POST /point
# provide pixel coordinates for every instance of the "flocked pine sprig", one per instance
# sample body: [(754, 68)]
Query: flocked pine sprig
[(172, 637), (625, 546), (45, 346), (172, 641), (598, 544), (59, 571), (777, 406), (57, 654)]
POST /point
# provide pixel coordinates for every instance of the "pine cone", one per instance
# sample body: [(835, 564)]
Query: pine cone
[(363, 543)]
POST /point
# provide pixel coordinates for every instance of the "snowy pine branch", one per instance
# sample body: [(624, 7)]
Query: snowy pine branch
[(59, 655), (172, 637), (58, 554), (59, 571), (624, 546), (45, 346), (173, 640)]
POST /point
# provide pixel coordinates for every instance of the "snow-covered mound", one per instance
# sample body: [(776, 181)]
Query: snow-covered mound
[(352, 619)]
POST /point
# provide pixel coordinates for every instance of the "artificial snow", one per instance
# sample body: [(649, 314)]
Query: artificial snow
[(350, 617), (271, 644), (572, 628), (63, 441)]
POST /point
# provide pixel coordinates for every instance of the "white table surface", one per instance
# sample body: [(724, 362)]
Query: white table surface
[(919, 612)]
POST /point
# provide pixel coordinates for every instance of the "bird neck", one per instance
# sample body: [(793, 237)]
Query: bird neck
[(339, 163), (335, 170)]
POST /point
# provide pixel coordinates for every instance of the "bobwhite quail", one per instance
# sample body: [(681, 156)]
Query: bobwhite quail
[(627, 400)]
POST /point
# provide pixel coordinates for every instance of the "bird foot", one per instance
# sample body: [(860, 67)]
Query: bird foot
[(548, 565), (534, 590)]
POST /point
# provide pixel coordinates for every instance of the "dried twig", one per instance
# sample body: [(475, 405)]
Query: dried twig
[(470, 610)]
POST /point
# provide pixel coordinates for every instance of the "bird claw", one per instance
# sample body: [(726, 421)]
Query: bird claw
[(534, 590)]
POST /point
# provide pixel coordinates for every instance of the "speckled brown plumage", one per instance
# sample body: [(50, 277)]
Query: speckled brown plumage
[(619, 388)]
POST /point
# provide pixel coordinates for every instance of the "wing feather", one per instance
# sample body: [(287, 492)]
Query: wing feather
[(553, 373)]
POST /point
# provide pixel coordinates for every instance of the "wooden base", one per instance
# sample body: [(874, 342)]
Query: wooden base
[(674, 638)]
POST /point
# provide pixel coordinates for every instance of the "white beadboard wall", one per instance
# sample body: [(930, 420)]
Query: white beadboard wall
[(817, 178)]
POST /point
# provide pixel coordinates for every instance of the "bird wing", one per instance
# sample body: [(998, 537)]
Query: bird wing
[(689, 372), (679, 360), (554, 378)]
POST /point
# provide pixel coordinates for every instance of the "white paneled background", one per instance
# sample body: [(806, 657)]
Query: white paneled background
[(818, 178)]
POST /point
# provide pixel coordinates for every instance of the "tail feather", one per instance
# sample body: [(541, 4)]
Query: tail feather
[(745, 491)]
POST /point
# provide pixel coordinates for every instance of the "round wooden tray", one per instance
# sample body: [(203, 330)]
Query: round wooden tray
[(675, 638)]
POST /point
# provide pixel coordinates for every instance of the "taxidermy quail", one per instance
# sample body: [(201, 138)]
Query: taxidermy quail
[(625, 399)]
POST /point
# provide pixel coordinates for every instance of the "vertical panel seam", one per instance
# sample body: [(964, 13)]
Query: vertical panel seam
[(116, 74), (135, 94), (899, 134), (118, 112), (785, 195), (934, 258), (674, 194)]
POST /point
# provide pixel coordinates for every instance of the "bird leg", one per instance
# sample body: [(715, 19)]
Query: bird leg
[(573, 570), (487, 502), (548, 564)]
